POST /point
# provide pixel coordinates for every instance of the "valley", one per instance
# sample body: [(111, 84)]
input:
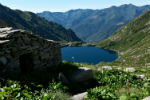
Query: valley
[(74, 60)]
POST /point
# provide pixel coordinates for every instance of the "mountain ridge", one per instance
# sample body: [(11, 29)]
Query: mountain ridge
[(31, 22), (95, 25)]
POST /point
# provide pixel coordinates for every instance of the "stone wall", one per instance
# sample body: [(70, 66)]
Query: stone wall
[(20, 50)]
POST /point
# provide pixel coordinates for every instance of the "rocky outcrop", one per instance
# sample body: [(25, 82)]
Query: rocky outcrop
[(23, 51)]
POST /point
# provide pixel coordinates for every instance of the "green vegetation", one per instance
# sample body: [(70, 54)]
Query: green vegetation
[(46, 85), (14, 90), (38, 85), (95, 25), (132, 44), (39, 26), (118, 85)]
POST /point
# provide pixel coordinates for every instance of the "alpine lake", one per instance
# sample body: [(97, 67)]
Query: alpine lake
[(87, 54)]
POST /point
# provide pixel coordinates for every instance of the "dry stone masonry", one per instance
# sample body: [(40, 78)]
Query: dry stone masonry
[(22, 51)]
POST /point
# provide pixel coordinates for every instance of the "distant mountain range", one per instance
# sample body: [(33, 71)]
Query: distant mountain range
[(95, 25), (39, 26)]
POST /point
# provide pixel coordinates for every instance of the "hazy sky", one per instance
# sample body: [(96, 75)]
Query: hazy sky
[(64, 5)]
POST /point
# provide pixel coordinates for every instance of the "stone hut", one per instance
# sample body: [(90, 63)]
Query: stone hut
[(20, 51)]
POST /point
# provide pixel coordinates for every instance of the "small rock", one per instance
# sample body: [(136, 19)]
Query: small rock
[(130, 70), (79, 96), (124, 60), (81, 75), (119, 68), (107, 67), (99, 69), (141, 76), (147, 98)]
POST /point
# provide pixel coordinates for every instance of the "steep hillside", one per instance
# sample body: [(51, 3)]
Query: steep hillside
[(39, 26), (95, 25), (132, 43)]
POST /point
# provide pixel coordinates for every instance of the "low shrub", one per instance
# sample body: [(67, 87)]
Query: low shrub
[(119, 85), (14, 91)]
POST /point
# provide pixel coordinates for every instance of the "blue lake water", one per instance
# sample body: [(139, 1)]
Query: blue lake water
[(91, 55)]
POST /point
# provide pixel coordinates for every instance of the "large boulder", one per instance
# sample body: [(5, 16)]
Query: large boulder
[(147, 98), (81, 75)]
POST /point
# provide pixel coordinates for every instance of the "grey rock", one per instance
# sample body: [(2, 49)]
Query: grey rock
[(79, 96), (99, 69), (119, 68), (107, 67), (5, 29), (4, 41), (130, 69), (147, 98), (140, 76)]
